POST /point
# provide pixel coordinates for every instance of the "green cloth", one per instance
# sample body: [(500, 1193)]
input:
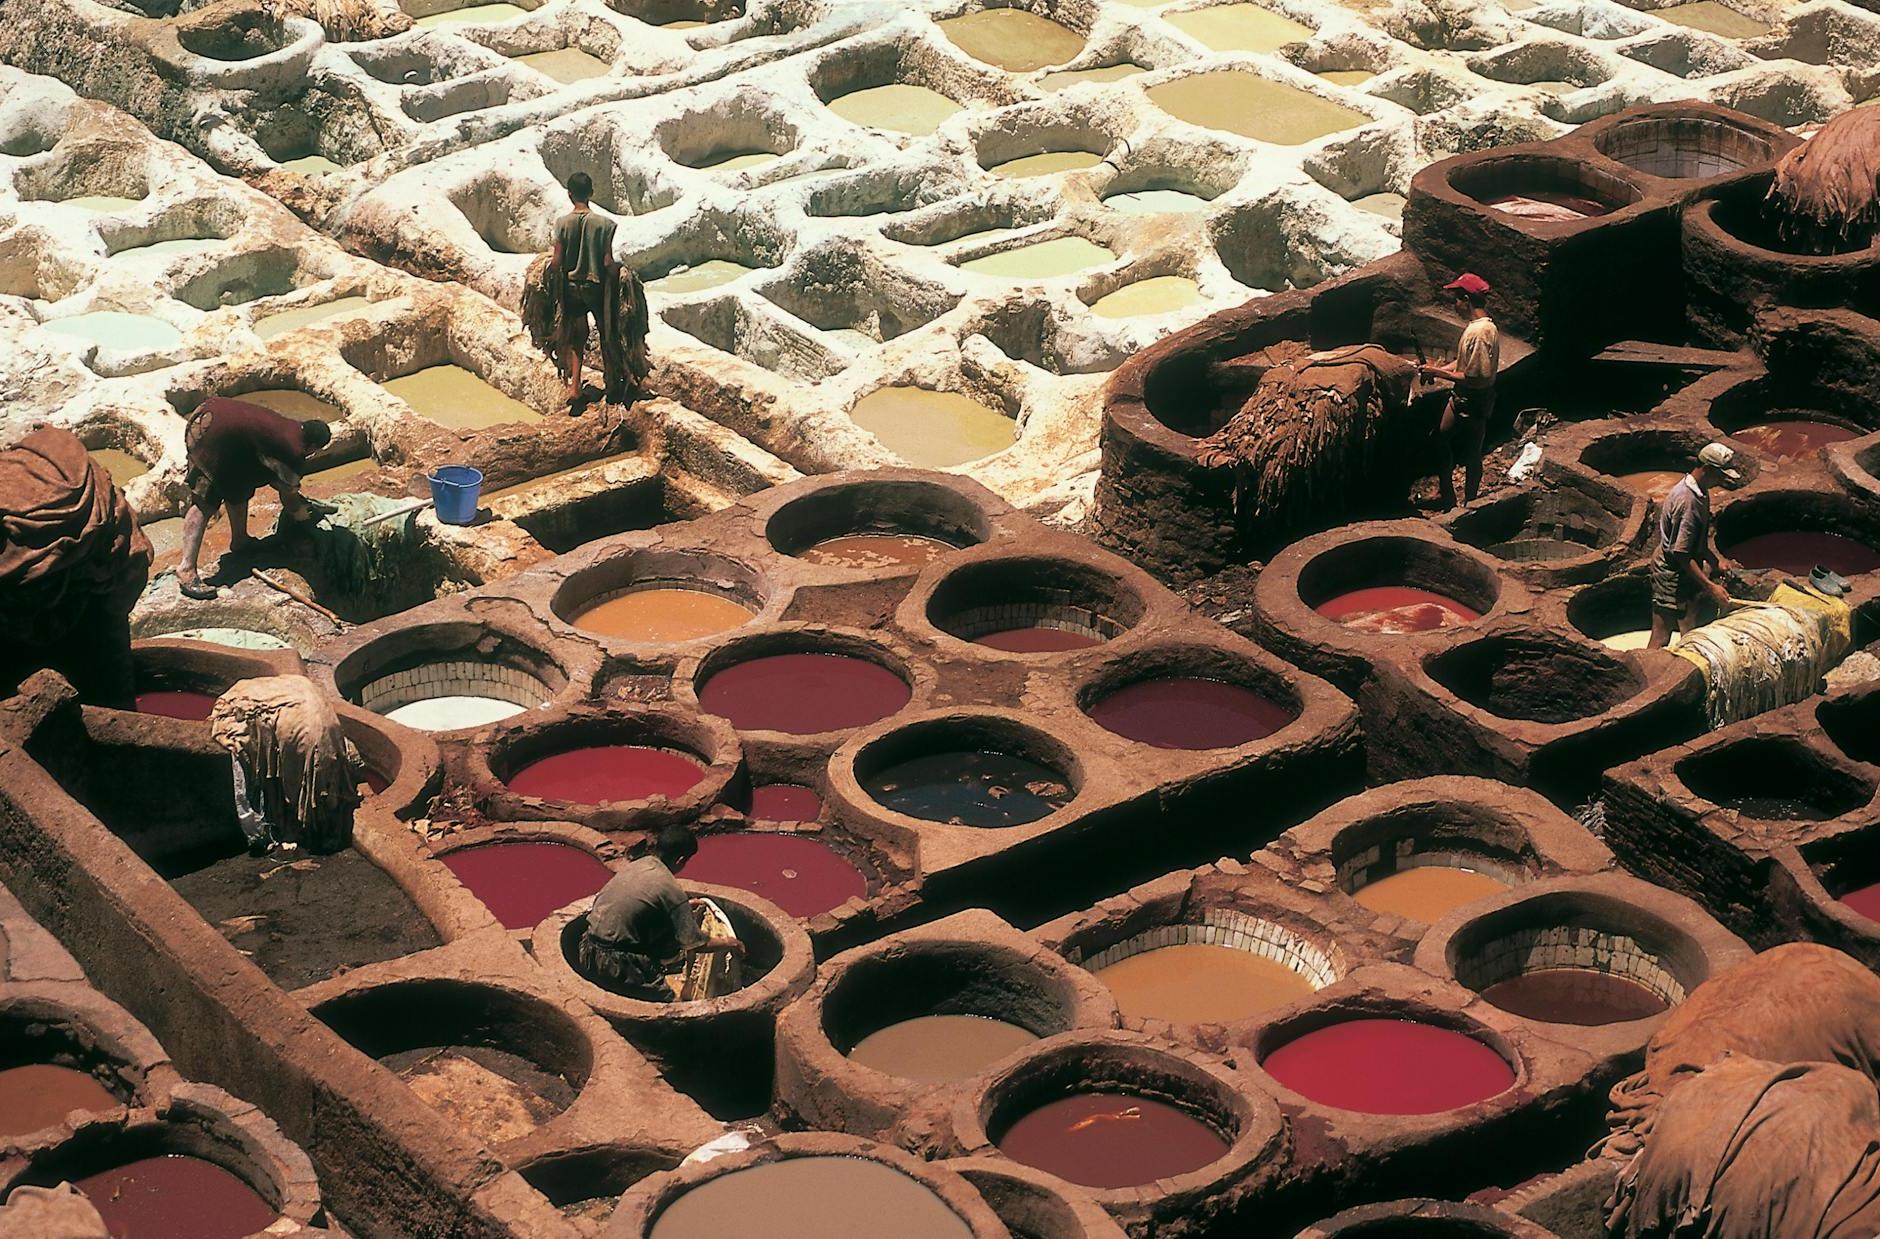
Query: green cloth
[(587, 245), (364, 560)]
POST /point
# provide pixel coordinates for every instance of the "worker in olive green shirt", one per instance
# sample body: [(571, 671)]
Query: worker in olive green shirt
[(1472, 403), (584, 251), (641, 925)]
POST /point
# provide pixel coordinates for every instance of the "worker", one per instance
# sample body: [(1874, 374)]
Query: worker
[(296, 775), (1686, 564), (1464, 426), (584, 254), (235, 448), (641, 925)]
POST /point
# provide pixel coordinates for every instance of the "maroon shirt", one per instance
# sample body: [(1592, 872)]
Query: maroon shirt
[(235, 439)]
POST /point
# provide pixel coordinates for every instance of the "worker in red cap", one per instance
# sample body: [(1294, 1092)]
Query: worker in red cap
[(1464, 427)]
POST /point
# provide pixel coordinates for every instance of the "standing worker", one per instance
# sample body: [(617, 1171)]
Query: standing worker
[(1685, 565), (1472, 403), (234, 449), (642, 922), (584, 254)]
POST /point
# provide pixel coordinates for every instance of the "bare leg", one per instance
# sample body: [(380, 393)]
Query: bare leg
[(195, 521), (1661, 631), (237, 524), (1472, 477)]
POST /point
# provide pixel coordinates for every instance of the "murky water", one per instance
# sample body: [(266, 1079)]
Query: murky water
[(481, 13), (1108, 73), (711, 273), (104, 204), (121, 465), (452, 396), (565, 64), (311, 165), (1046, 164), (1156, 202), (114, 329), (1254, 107), (295, 404), (1042, 260), (1012, 39), (1161, 294), (270, 325), (933, 429), (898, 106), (1239, 28), (1709, 15)]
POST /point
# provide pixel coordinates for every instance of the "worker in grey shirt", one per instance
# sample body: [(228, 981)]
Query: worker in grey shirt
[(1686, 562), (641, 925)]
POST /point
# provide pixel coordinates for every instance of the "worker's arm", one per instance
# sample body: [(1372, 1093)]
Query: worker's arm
[(1699, 575), (698, 941), (286, 480), (1440, 372)]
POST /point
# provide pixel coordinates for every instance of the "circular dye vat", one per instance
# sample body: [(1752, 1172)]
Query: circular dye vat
[(1652, 483), (1394, 610), (113, 329), (970, 789), (234, 638), (804, 877), (1108, 1140), (804, 694), (452, 711), (1785, 437), (1865, 900), (1427, 893), (1161, 294), (1201, 983), (1189, 713), (1798, 551), (1045, 163), (871, 551), (899, 106), (811, 1198), (1012, 39), (663, 615), (176, 1197), (1383, 1066), (608, 772), (933, 429), (1574, 996), (940, 1047), (520, 883), (1156, 202), (1037, 640), (174, 703), (1549, 208), (40, 1095), (784, 802)]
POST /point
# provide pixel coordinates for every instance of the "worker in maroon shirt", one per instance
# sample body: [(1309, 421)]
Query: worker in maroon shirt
[(235, 448)]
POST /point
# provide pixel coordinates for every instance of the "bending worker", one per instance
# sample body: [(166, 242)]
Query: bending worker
[(1686, 563), (641, 925), (235, 448), (1464, 427), (295, 782)]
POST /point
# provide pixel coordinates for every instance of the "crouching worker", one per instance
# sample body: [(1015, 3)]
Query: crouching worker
[(642, 927), (295, 778), (235, 448)]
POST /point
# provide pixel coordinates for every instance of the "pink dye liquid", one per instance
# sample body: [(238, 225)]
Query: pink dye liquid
[(784, 802), (1865, 901), (607, 773), (173, 703), (1185, 713), (521, 883), (1112, 1140), (175, 1197), (1397, 609), (803, 694), (802, 876), (1381, 1066), (1793, 437), (1798, 551), (1037, 640)]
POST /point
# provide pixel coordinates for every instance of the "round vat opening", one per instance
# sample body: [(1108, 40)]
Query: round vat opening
[(523, 881), (1796, 531), (1616, 613), (934, 429), (1544, 189), (241, 36), (801, 686), (1535, 677), (943, 1011), (1421, 861), (660, 596), (763, 951), (1033, 605), (442, 677), (809, 1197), (1189, 698), (178, 703), (877, 525), (1853, 725), (980, 772), (494, 1063), (1422, 1219), (1228, 968), (1575, 958), (1784, 422), (585, 1186), (1541, 526), (609, 760), (1394, 586), (1848, 866), (1646, 462), (1774, 778), (1684, 147), (804, 875), (52, 1068), (779, 802), (1760, 226), (1371, 1064), (1112, 1118), (1012, 39)]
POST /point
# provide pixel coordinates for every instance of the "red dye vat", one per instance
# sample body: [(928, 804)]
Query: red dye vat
[(784, 802), (1865, 901), (173, 703), (802, 876), (1189, 713), (1793, 436), (803, 694), (1380, 1066), (1038, 640), (1397, 609), (175, 1197), (1112, 1140), (521, 883), (608, 772), (1798, 551)]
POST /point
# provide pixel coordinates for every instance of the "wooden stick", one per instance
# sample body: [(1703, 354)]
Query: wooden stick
[(415, 506), (295, 594)]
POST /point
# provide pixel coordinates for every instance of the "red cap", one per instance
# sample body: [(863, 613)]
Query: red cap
[(1467, 282)]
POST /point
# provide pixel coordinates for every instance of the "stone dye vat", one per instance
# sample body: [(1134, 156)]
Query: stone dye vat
[(123, 467), (1112, 1139), (1161, 294), (1389, 1066), (829, 1197), (1031, 606), (1187, 712), (408, 679), (970, 787), (933, 429), (1800, 551), (803, 694), (870, 551), (39, 1095), (1427, 892), (598, 774), (1253, 106), (1012, 39), (269, 326), (520, 883), (663, 614), (173, 1196), (1229, 969), (182, 704), (1396, 609), (1574, 996), (453, 396), (901, 107), (934, 1048), (804, 876), (1786, 437)]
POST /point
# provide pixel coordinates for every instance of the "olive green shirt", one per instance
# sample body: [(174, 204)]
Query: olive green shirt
[(587, 245)]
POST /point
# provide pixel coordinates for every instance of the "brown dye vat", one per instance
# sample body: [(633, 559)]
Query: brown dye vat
[(1201, 983), (492, 1095), (1786, 437), (1110, 1140), (1038, 640), (1427, 893), (176, 703), (876, 550), (1652, 483), (175, 1197), (940, 1047), (1574, 996), (663, 615), (1798, 551), (811, 1198), (41, 1095)]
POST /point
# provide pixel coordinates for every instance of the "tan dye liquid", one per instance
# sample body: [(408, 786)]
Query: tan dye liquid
[(473, 13), (1163, 294), (664, 615), (180, 245), (1201, 983), (452, 396), (1427, 893), (106, 204), (1637, 639), (940, 1047), (1389, 205), (1239, 28), (810, 1198), (295, 404), (1012, 39), (870, 551), (1715, 18), (1108, 73), (311, 165), (1047, 164), (272, 325), (1652, 483), (737, 161), (933, 429), (1156, 202), (121, 465), (1253, 106), (1347, 77), (899, 106), (565, 64), (708, 274), (1042, 260), (487, 1105)]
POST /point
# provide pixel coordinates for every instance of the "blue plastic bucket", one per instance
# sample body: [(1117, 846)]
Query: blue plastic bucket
[(454, 492)]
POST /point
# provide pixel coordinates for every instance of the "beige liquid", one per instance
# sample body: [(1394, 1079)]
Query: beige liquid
[(104, 203), (118, 330), (736, 161), (1652, 483), (270, 325), (1046, 164), (1201, 983), (900, 106), (565, 64), (1555, 88), (1253, 106), (473, 13), (1389, 205), (1635, 640), (708, 274), (1042, 260), (452, 396), (1162, 294), (933, 429), (1347, 77), (1156, 202), (872, 551), (1239, 28), (1715, 18), (664, 615), (311, 165), (295, 404), (1074, 77), (1427, 893), (181, 245), (1012, 39), (940, 1047), (121, 465)]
